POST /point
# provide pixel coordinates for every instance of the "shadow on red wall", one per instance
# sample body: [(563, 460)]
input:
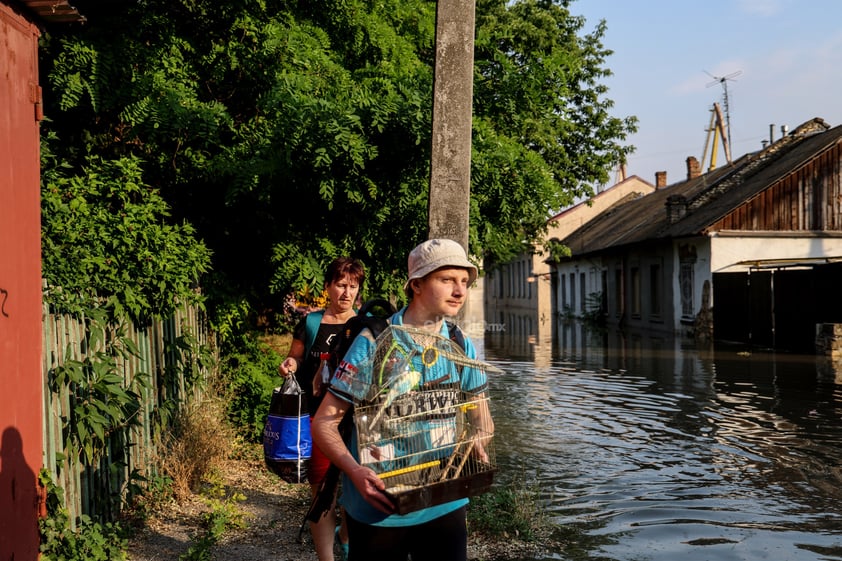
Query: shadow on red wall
[(19, 496)]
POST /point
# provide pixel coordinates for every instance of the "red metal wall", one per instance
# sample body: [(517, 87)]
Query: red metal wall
[(20, 288)]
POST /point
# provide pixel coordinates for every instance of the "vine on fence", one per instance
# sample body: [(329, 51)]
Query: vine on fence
[(103, 399), (90, 540)]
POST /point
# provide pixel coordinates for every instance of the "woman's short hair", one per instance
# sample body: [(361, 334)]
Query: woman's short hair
[(342, 266)]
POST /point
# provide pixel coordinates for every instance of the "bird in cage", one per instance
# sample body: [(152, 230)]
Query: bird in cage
[(420, 423)]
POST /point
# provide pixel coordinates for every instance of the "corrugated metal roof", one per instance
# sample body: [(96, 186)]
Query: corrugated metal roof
[(52, 11), (709, 196)]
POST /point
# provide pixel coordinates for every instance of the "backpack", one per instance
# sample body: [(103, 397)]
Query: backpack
[(374, 315)]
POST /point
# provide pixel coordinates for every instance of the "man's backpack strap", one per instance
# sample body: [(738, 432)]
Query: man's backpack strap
[(456, 335), (375, 313)]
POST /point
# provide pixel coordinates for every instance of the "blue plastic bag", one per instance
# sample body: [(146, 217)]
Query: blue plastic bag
[(287, 444)]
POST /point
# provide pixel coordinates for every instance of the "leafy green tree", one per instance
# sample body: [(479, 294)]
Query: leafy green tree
[(105, 238), (543, 132), (290, 132)]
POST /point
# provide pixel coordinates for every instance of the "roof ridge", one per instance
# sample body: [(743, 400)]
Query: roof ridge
[(771, 152)]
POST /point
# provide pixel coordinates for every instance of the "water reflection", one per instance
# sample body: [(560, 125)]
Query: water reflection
[(650, 447)]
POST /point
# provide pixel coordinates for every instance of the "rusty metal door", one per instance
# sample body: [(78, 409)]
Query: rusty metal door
[(20, 288)]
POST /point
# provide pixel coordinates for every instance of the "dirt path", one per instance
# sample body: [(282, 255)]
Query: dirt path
[(273, 514)]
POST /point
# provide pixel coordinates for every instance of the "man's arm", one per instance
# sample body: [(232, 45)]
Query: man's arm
[(325, 430), (482, 424)]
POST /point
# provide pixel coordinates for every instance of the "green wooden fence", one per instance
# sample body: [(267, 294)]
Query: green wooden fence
[(97, 489)]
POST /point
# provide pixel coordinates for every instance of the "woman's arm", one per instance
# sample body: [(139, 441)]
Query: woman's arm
[(293, 360)]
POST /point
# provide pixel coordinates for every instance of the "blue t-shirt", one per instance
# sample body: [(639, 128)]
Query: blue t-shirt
[(353, 382)]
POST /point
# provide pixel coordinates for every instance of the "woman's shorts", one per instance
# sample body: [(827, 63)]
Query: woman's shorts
[(317, 466)]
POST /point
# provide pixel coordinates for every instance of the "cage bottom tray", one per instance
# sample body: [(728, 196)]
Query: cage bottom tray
[(415, 498)]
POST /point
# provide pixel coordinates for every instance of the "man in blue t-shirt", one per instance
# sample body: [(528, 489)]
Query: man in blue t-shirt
[(439, 277)]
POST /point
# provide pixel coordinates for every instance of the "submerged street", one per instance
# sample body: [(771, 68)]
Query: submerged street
[(648, 448)]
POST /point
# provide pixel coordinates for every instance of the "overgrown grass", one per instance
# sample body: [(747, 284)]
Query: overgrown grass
[(224, 515), (280, 343), (199, 440), (512, 509), (191, 459)]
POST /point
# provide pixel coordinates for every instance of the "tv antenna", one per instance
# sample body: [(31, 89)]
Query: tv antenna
[(717, 131), (724, 81)]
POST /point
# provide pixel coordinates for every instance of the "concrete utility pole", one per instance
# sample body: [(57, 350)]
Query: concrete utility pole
[(453, 89)]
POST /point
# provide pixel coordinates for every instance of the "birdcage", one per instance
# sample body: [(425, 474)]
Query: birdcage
[(428, 438)]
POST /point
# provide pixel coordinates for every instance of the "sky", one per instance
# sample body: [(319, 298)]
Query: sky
[(782, 60)]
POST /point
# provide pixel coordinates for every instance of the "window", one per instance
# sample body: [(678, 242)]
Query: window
[(563, 284), (655, 290), (685, 280), (572, 292), (603, 292), (516, 284), (583, 295), (618, 292), (635, 292)]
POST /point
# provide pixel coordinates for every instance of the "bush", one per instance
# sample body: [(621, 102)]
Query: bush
[(91, 540), (249, 373), (105, 234), (200, 439), (512, 509)]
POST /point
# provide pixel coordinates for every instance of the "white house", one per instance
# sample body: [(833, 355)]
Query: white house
[(519, 295), (749, 252)]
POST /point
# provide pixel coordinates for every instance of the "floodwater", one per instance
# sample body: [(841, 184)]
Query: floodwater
[(649, 448)]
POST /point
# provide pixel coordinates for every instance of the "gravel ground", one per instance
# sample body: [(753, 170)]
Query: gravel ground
[(273, 514)]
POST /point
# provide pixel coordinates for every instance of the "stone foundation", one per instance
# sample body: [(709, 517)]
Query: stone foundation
[(829, 351), (829, 340)]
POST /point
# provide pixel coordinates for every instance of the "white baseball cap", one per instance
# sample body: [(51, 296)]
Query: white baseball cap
[(435, 254)]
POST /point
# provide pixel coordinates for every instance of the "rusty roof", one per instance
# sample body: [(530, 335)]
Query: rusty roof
[(709, 196), (51, 11)]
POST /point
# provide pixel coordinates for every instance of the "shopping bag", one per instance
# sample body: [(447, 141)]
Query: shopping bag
[(287, 444)]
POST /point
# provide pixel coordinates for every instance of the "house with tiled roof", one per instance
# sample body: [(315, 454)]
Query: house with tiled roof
[(750, 252)]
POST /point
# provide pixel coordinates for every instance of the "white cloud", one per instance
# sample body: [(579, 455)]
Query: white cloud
[(764, 8)]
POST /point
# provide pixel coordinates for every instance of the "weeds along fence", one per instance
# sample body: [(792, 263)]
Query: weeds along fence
[(167, 366)]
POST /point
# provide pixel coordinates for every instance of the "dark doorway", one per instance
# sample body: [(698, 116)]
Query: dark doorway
[(777, 309)]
